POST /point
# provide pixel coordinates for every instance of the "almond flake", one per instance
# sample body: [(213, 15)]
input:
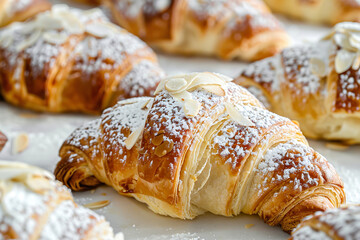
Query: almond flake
[(205, 79), (337, 146), (55, 38), (29, 41), (133, 137), (97, 205), (247, 226), (354, 41), (48, 22), (237, 116), (175, 84), (215, 89), (98, 30), (343, 60), (182, 96), (356, 63), (20, 143), (191, 107), (148, 104), (6, 40), (318, 67)]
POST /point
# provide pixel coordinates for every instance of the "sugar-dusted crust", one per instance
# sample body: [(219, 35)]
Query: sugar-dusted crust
[(72, 60), (228, 29), (202, 144), (316, 84)]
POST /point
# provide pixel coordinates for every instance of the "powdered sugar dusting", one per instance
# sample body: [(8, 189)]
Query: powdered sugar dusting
[(307, 233), (133, 8)]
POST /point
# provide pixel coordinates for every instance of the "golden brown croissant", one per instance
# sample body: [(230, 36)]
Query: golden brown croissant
[(337, 224), (34, 206), (202, 144), (318, 11), (72, 60), (229, 29), (316, 84), (3, 140), (20, 10)]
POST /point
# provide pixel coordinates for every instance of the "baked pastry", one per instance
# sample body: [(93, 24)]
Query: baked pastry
[(34, 206), (317, 84), (3, 141), (202, 144), (91, 2), (318, 11), (20, 10), (340, 224), (73, 60), (243, 29)]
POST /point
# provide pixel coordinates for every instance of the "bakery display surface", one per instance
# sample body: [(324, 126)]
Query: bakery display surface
[(316, 84), (36, 138)]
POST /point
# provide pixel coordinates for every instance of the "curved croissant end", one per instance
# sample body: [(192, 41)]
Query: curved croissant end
[(203, 144)]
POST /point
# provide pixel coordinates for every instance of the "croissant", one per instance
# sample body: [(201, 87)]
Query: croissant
[(318, 11), (316, 84), (340, 224), (202, 144), (3, 141), (72, 60), (35, 206), (243, 29), (20, 10)]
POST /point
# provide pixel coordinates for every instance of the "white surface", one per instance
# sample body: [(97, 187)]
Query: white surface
[(47, 132)]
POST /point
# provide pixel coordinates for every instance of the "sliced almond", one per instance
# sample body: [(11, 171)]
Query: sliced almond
[(356, 63), (337, 146), (133, 137), (354, 41), (97, 205), (215, 89), (157, 140), (6, 40), (20, 143), (37, 184), (98, 29), (237, 116), (343, 60), (148, 104), (247, 226), (160, 86), (318, 67), (182, 96), (28, 41), (343, 41), (205, 79), (175, 84), (48, 22), (191, 107), (73, 25), (55, 37)]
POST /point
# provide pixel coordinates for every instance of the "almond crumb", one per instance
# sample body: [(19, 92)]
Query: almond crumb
[(247, 226), (20, 143), (337, 146), (104, 194), (97, 205)]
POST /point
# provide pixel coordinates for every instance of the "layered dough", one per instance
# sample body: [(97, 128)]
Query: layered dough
[(202, 144), (318, 11)]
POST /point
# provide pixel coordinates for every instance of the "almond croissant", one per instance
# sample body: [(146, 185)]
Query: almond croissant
[(243, 29), (317, 84), (20, 10), (202, 144), (34, 206), (72, 60), (337, 224)]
